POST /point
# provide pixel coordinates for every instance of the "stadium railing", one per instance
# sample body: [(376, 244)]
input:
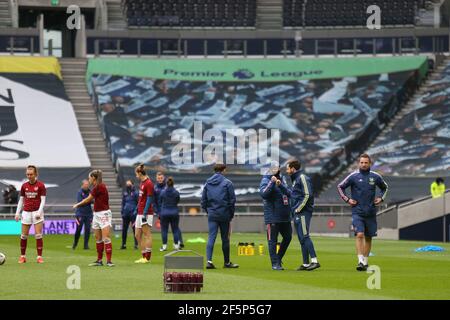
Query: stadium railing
[(193, 209), (416, 211)]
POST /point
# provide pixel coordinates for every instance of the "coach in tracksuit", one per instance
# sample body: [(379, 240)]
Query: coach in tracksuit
[(277, 216), (83, 216), (130, 198), (161, 183), (302, 206), (218, 200), (363, 201)]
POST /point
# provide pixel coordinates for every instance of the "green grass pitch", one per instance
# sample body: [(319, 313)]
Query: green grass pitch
[(404, 273)]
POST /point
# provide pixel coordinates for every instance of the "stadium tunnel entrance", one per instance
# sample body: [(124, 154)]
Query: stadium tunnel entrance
[(59, 41)]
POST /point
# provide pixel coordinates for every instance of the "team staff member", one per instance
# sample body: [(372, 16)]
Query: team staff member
[(277, 215), (83, 216), (32, 201), (161, 183), (169, 214), (129, 204), (363, 200), (144, 211), (102, 222), (437, 188), (218, 200), (302, 207)]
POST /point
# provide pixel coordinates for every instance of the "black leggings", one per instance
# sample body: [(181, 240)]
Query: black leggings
[(126, 221)]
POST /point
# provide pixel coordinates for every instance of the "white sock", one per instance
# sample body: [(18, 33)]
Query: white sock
[(164, 246), (366, 261), (314, 260), (306, 265), (360, 258), (209, 261)]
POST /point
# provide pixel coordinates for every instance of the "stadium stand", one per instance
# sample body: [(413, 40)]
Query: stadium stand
[(321, 120), (74, 72), (190, 13), (5, 17), (418, 144), (332, 13), (413, 150)]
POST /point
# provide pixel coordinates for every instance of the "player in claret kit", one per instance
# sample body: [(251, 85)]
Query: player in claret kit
[(102, 222), (32, 200), (144, 216)]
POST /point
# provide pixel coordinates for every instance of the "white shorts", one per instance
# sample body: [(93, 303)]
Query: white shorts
[(102, 219), (29, 218), (138, 224)]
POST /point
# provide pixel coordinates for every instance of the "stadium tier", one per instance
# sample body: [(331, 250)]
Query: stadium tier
[(416, 151), (419, 144), (190, 13), (324, 109), (38, 126), (331, 13)]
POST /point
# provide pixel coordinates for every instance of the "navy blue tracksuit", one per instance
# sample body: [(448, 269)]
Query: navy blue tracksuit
[(363, 188), (169, 214), (218, 200), (159, 187), (83, 217), (130, 199), (302, 207), (277, 216)]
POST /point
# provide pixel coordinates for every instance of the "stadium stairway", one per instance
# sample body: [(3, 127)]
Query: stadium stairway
[(269, 14), (74, 73), (329, 192), (5, 15), (116, 19)]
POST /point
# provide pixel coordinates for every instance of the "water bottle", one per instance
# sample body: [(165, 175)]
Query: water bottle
[(261, 249), (252, 249), (239, 249)]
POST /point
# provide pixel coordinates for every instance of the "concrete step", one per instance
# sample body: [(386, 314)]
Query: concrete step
[(75, 71), (75, 85), (84, 105), (89, 125), (80, 99), (84, 113), (90, 141), (75, 91), (92, 134), (106, 161)]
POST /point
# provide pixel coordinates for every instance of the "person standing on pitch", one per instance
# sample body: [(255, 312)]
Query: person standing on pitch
[(32, 199), (302, 207), (144, 214), (161, 183), (102, 222), (277, 215), (363, 183), (218, 200), (83, 216), (169, 214), (130, 199)]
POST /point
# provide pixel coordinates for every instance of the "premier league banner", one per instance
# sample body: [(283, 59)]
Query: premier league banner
[(37, 122), (181, 122)]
